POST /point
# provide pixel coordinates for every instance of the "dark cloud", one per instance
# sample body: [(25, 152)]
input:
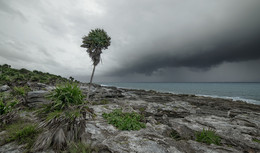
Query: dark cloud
[(152, 40), (234, 40), (233, 50)]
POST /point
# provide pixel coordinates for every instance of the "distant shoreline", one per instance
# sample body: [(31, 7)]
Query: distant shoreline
[(238, 99)]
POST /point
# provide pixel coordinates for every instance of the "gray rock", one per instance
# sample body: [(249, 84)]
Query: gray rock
[(4, 88), (36, 98), (203, 148), (11, 148), (228, 129), (151, 120), (236, 123)]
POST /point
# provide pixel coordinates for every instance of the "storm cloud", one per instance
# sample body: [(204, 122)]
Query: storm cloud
[(169, 40), (201, 56)]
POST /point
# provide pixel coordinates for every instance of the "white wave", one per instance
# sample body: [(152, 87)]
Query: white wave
[(213, 96), (232, 98)]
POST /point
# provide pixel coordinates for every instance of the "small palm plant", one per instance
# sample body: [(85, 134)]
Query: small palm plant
[(96, 41), (64, 119), (208, 136), (65, 95)]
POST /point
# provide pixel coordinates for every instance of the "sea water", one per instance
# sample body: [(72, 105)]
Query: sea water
[(248, 92)]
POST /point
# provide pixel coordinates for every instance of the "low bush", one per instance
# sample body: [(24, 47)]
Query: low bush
[(20, 91), (23, 135), (124, 121), (208, 136), (35, 78), (6, 108), (14, 77), (22, 132), (65, 95), (256, 140)]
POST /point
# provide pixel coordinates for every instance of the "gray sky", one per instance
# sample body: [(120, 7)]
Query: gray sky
[(152, 40)]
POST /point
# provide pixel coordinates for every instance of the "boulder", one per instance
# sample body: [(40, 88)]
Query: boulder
[(4, 88), (37, 98)]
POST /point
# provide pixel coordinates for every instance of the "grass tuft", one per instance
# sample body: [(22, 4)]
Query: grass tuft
[(22, 132), (124, 121), (23, 135), (256, 140), (7, 107), (208, 136), (20, 91), (175, 135), (65, 95)]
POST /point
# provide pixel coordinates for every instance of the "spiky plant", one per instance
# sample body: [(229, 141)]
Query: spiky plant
[(96, 41), (64, 119), (62, 128), (208, 136), (65, 95)]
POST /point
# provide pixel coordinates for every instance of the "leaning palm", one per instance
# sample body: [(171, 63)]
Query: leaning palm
[(95, 42)]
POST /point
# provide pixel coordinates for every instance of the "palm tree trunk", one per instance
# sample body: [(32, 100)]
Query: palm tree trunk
[(91, 81)]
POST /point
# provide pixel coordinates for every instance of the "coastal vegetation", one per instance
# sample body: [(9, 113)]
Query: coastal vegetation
[(6, 107), (67, 122), (66, 95), (19, 77), (96, 41), (208, 136), (125, 121), (22, 131), (256, 140), (67, 107)]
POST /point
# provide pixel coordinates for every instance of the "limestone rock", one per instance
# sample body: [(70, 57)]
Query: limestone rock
[(4, 88), (36, 98)]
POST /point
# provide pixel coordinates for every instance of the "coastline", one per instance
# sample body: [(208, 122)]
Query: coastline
[(237, 122), (248, 101), (172, 121)]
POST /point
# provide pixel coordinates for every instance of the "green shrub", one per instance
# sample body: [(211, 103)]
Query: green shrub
[(23, 133), (6, 108), (24, 71), (124, 121), (256, 140), (208, 136), (20, 91), (2, 108), (68, 94), (35, 78), (4, 79), (14, 77), (19, 77)]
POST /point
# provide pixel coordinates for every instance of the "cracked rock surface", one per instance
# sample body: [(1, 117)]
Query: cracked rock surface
[(236, 122)]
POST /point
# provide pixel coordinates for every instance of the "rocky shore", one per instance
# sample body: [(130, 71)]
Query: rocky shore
[(237, 123)]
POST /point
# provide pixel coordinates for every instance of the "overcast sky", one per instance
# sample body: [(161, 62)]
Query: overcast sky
[(151, 40)]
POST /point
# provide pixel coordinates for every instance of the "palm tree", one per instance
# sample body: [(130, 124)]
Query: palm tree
[(95, 42)]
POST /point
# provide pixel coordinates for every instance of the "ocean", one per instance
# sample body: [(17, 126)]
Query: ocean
[(248, 92)]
